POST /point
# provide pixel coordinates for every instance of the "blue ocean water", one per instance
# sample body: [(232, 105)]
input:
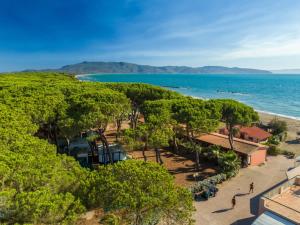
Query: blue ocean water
[(277, 94)]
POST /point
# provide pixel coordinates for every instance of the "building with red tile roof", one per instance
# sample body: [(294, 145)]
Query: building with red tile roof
[(251, 153), (254, 133)]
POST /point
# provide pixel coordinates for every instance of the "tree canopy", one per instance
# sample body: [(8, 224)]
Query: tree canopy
[(235, 113), (143, 193), (40, 186)]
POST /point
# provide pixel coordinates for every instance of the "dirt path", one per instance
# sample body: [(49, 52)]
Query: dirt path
[(180, 167)]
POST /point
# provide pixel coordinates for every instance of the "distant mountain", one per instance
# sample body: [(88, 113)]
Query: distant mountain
[(123, 67), (287, 71)]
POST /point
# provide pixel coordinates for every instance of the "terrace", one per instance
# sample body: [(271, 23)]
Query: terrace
[(284, 200)]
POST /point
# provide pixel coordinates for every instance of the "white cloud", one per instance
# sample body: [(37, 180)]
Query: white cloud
[(276, 46)]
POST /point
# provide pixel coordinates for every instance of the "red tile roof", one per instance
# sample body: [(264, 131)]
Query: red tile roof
[(242, 146), (255, 132)]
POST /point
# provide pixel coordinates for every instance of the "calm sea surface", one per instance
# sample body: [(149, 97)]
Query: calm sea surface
[(278, 94)]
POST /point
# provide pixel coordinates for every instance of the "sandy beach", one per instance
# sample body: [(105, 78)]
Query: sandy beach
[(291, 143)]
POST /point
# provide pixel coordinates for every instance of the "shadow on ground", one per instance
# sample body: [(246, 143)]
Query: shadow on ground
[(241, 194), (254, 205), (222, 210), (295, 141)]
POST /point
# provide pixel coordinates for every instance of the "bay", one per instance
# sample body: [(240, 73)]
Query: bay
[(276, 94)]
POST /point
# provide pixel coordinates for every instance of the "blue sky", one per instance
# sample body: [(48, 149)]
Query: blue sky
[(51, 33)]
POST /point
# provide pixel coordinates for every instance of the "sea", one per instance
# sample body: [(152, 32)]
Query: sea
[(270, 93)]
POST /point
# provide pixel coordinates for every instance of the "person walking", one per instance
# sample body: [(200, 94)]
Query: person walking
[(251, 190), (233, 202)]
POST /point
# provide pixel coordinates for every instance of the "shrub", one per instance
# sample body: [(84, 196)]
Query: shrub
[(278, 126), (202, 185), (273, 150), (211, 153), (110, 219), (273, 141), (229, 163), (288, 154)]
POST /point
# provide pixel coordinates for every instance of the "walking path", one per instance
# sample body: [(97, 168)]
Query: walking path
[(217, 210)]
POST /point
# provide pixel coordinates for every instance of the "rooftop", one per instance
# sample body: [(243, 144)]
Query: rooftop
[(268, 218), (255, 132), (286, 204), (242, 146)]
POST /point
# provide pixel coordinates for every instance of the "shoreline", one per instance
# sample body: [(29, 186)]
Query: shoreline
[(259, 111), (277, 115), (293, 125)]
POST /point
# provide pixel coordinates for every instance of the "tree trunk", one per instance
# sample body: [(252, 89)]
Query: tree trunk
[(230, 137), (105, 143), (231, 141), (55, 131), (197, 160), (158, 157), (49, 133), (229, 128), (119, 124), (68, 145), (188, 133), (134, 117), (92, 147), (144, 149), (175, 145), (138, 219)]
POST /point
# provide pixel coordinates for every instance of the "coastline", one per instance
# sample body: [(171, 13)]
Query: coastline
[(293, 124)]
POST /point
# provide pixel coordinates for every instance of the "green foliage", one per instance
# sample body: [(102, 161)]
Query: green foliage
[(235, 113), (278, 126), (273, 141), (110, 219), (44, 207), (134, 138), (273, 150), (211, 153), (39, 186), (198, 116), (204, 184), (138, 93), (145, 191), (229, 163)]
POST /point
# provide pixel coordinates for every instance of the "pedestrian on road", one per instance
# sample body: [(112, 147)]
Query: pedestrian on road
[(233, 201), (251, 190)]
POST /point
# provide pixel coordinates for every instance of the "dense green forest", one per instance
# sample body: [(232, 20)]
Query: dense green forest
[(42, 185)]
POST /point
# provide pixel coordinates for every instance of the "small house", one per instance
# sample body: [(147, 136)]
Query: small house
[(251, 153), (254, 133)]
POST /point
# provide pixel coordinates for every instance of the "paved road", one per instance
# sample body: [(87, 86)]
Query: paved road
[(217, 211)]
